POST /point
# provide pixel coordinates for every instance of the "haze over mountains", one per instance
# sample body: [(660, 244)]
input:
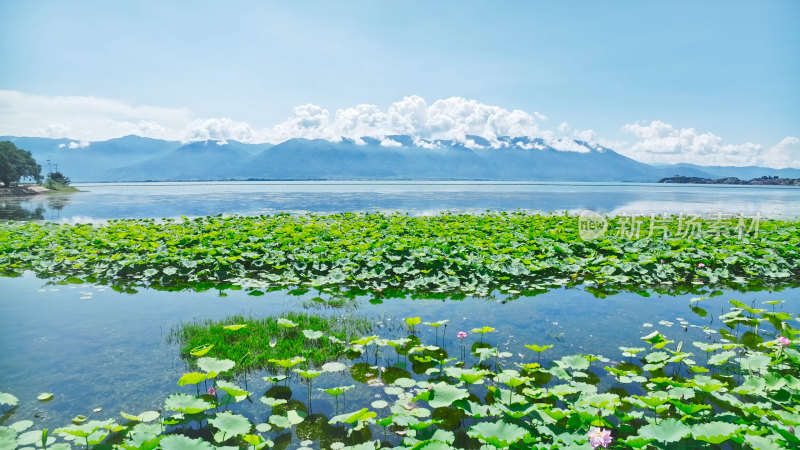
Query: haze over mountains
[(134, 158)]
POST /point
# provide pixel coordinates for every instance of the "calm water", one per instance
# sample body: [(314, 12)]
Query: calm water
[(139, 200), (94, 347)]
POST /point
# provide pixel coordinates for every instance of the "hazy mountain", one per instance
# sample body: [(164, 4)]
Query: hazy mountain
[(133, 158)]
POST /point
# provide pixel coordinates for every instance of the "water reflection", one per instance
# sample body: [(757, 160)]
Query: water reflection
[(37, 207), (156, 200)]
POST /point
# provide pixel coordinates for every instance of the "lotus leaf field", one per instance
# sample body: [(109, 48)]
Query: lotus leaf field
[(383, 255), (737, 391), (392, 387)]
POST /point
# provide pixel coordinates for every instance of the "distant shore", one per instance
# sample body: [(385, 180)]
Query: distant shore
[(761, 181)]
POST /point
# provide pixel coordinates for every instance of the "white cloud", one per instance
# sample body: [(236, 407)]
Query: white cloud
[(217, 129), (660, 142), (453, 118), (84, 118), (785, 154)]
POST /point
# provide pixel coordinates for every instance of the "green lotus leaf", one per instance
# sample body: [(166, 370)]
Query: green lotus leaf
[(286, 323), (263, 427), (364, 340), (275, 379), (361, 415), (214, 366), (234, 327), (201, 350), (721, 358), (180, 442), (411, 321), (253, 439), (45, 396), (33, 437), (192, 378), (309, 374), (8, 437), (575, 362), (334, 367), (291, 418), (8, 399), (755, 363), (272, 402), (483, 330), (21, 425), (714, 432), (288, 363), (500, 433), (232, 390), (444, 394), (231, 424), (311, 334), (667, 430), (538, 348), (185, 403), (337, 391), (404, 382)]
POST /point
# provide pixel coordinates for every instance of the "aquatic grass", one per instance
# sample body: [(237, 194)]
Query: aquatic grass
[(252, 342), (447, 255)]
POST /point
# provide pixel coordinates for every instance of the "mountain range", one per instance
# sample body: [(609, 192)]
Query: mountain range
[(134, 158)]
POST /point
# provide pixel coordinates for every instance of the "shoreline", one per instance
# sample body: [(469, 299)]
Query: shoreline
[(19, 191)]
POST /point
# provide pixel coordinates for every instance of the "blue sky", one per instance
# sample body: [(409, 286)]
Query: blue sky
[(725, 70)]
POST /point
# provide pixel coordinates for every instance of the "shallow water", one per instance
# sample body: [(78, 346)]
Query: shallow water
[(94, 347), (157, 200)]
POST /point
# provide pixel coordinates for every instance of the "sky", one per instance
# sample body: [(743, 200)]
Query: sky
[(712, 82)]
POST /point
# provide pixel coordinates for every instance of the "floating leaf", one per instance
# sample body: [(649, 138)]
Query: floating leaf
[(185, 403), (286, 323), (714, 432), (483, 330), (192, 378), (201, 350), (500, 434), (231, 424), (667, 430), (311, 334), (180, 442), (235, 327), (214, 366), (362, 414), (45, 396), (538, 348)]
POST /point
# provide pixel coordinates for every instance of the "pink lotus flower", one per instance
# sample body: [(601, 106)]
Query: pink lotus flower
[(661, 261), (700, 266), (212, 391), (599, 437), (461, 334), (784, 341)]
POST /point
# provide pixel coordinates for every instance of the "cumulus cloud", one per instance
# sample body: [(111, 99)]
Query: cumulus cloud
[(453, 118), (73, 144), (85, 118), (660, 142), (217, 129)]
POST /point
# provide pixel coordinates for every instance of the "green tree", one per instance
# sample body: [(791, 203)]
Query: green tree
[(59, 178), (16, 163)]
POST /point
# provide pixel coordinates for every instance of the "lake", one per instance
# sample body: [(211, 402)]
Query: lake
[(157, 200), (97, 348)]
